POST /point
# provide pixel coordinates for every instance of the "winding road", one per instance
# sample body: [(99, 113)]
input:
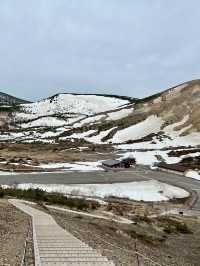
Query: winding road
[(135, 174)]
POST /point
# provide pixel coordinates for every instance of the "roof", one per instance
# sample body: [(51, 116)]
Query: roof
[(111, 162), (128, 160)]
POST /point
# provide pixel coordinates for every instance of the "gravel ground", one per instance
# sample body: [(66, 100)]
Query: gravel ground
[(110, 240), (14, 226)]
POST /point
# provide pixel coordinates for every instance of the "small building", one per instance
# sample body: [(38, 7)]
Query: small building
[(128, 162), (124, 163), (111, 163)]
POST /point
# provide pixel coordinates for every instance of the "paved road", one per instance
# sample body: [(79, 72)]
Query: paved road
[(137, 174), (72, 178), (55, 246)]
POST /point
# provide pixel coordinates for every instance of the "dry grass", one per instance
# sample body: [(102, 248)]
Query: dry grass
[(117, 241)]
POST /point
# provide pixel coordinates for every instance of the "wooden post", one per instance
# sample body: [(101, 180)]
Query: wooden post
[(137, 256)]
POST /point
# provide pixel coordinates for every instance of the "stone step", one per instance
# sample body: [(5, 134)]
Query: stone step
[(74, 259), (61, 246), (69, 252), (57, 247), (69, 255), (66, 248), (56, 239), (60, 241), (108, 263)]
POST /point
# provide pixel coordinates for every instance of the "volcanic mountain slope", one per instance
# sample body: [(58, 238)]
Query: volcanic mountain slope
[(65, 109), (175, 104), (165, 121), (170, 118), (7, 100), (8, 104), (174, 113)]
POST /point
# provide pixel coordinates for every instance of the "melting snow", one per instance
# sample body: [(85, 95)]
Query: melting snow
[(150, 125), (150, 157), (98, 138), (89, 120), (193, 174), (144, 190), (77, 166), (69, 103), (79, 135), (44, 122), (119, 114)]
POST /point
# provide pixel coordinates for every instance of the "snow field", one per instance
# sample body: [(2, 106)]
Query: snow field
[(69, 103), (145, 190), (193, 174), (150, 125)]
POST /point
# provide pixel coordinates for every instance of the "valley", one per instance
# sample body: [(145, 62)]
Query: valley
[(65, 126), (52, 154)]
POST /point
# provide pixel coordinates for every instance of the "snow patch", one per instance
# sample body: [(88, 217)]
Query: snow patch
[(77, 166), (69, 103), (89, 120), (193, 174), (152, 124), (119, 114), (78, 135), (144, 190), (44, 122), (98, 138)]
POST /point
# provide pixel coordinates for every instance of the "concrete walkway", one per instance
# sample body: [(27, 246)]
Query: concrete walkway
[(55, 246)]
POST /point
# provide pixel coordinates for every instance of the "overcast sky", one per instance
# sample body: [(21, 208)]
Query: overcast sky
[(122, 47)]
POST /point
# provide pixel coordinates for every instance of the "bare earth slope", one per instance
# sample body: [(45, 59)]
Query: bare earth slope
[(176, 103)]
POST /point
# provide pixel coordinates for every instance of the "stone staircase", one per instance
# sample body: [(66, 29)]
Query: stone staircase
[(55, 246)]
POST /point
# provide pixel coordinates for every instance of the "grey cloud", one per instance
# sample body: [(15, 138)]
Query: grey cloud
[(122, 47)]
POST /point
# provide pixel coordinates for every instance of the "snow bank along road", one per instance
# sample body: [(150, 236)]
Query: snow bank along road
[(55, 246), (136, 174)]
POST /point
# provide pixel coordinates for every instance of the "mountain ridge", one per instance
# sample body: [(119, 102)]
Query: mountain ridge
[(82, 112), (150, 128), (8, 99)]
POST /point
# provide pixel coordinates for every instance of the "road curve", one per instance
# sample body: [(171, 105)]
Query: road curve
[(135, 174)]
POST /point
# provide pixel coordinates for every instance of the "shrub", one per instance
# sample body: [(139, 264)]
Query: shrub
[(168, 229), (174, 226), (39, 195), (145, 237), (183, 228), (2, 194), (143, 218)]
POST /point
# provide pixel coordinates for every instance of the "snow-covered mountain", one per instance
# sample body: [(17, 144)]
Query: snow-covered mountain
[(165, 121), (65, 109)]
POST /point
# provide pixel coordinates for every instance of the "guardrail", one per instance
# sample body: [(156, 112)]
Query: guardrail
[(191, 200), (23, 261)]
